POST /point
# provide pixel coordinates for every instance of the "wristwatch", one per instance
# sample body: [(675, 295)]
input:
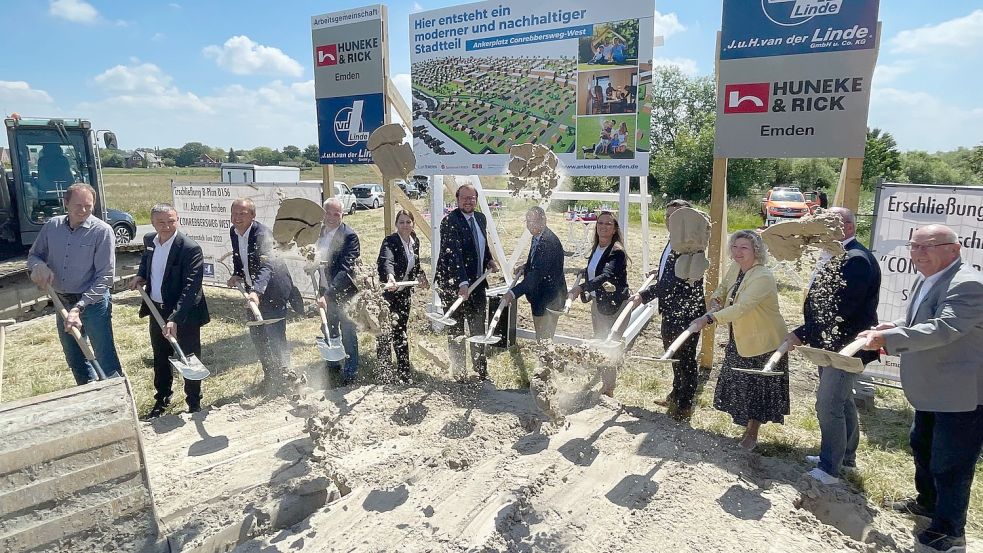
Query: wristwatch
[(709, 319)]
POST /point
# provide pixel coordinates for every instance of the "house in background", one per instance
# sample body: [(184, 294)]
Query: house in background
[(144, 160), (205, 160)]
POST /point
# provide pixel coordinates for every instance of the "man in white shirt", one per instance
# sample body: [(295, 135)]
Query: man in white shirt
[(171, 272)]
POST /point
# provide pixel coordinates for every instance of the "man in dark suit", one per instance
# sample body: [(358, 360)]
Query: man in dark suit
[(940, 342), (841, 303), (679, 303), (257, 266), (171, 271), (464, 257), (542, 275), (338, 250)]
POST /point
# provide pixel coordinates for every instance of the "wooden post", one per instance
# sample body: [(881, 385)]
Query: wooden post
[(3, 343), (327, 182), (643, 186), (848, 189), (718, 235), (387, 185)]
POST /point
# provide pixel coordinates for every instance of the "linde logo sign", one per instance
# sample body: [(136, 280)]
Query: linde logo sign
[(348, 125), (746, 98), (791, 96), (789, 13)]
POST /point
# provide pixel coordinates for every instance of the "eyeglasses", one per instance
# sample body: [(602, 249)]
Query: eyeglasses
[(925, 247)]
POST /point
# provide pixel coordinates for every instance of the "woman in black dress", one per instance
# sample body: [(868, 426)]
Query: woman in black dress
[(747, 300)]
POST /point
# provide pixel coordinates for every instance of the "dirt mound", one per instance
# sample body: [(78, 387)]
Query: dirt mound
[(472, 468)]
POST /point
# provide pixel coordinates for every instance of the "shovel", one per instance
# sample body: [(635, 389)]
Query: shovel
[(445, 318), (843, 360), (255, 309), (397, 286), (82, 342), (569, 301), (331, 349), (189, 366), (769, 368), (674, 346), (488, 338), (609, 345)]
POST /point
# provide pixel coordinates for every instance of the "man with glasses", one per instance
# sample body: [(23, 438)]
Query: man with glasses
[(464, 257), (841, 302), (940, 342)]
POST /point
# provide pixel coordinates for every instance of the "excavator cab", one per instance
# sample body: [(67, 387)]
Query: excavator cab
[(47, 156)]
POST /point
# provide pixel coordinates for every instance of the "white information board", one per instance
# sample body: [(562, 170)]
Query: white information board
[(205, 211), (899, 210)]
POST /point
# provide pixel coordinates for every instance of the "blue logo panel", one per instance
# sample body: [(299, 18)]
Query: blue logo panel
[(760, 28), (344, 125)]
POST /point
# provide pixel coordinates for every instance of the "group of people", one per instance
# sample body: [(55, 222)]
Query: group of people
[(940, 341), (611, 140), (609, 51)]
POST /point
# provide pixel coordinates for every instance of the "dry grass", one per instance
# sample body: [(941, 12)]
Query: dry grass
[(886, 470)]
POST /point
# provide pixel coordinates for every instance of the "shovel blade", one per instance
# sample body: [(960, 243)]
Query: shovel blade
[(484, 339), (192, 370), (263, 322), (760, 372), (329, 352)]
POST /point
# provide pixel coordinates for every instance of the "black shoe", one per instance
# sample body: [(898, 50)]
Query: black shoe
[(941, 542), (194, 407), (157, 410), (911, 507)]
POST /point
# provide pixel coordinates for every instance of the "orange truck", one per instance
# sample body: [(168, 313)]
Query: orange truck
[(783, 202)]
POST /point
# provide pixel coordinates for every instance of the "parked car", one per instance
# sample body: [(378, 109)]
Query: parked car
[(369, 195), (783, 202), (422, 182), (124, 227), (343, 193), (410, 189)]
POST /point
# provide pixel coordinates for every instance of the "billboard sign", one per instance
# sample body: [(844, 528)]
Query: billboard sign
[(205, 211), (575, 76), (349, 80), (794, 78)]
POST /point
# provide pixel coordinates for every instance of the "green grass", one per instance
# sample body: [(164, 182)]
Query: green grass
[(589, 131)]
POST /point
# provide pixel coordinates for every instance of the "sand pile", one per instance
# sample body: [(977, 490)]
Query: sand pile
[(532, 170), (787, 241), (465, 468)]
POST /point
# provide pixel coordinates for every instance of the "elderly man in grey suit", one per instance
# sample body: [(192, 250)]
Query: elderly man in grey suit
[(940, 342)]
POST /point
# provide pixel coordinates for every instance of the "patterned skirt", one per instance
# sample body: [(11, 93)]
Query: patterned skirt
[(746, 396)]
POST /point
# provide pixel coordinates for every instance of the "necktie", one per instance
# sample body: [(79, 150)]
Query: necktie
[(477, 244), (532, 250)]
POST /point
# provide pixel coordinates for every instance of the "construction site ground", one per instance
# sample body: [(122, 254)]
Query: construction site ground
[(442, 466)]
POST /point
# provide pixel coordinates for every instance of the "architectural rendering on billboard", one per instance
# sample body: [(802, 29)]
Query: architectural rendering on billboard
[(572, 75)]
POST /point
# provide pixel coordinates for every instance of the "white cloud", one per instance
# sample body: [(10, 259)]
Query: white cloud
[(242, 56), (175, 5), (667, 24), (886, 73), (144, 85), (158, 37), (686, 65), (962, 32), (77, 11), (19, 97), (921, 121), (416, 8)]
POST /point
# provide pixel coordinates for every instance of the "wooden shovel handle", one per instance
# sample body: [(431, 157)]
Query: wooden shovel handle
[(82, 342), (678, 342), (777, 356), (853, 347), (252, 306)]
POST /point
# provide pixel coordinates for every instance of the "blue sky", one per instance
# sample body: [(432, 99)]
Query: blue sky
[(240, 73)]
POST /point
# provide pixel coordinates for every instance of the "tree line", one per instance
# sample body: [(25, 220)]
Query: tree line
[(187, 155)]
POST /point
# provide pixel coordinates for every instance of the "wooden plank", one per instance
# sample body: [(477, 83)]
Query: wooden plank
[(848, 188), (327, 182), (73, 522), (718, 234), (34, 453), (421, 222), (63, 485), (59, 395)]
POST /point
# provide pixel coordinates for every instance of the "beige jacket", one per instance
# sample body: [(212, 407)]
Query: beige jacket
[(758, 324)]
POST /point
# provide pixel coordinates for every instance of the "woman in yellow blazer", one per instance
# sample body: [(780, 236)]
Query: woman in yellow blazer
[(747, 301)]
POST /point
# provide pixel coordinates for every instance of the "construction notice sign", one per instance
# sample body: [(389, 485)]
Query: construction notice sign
[(349, 81), (205, 214), (570, 74), (899, 210), (794, 78)]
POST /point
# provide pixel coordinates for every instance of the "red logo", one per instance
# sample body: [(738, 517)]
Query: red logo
[(326, 55), (476, 166), (746, 98)]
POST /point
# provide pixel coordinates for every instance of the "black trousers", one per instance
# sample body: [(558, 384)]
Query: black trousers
[(271, 342), (399, 316), (473, 312), (189, 338), (685, 373)]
